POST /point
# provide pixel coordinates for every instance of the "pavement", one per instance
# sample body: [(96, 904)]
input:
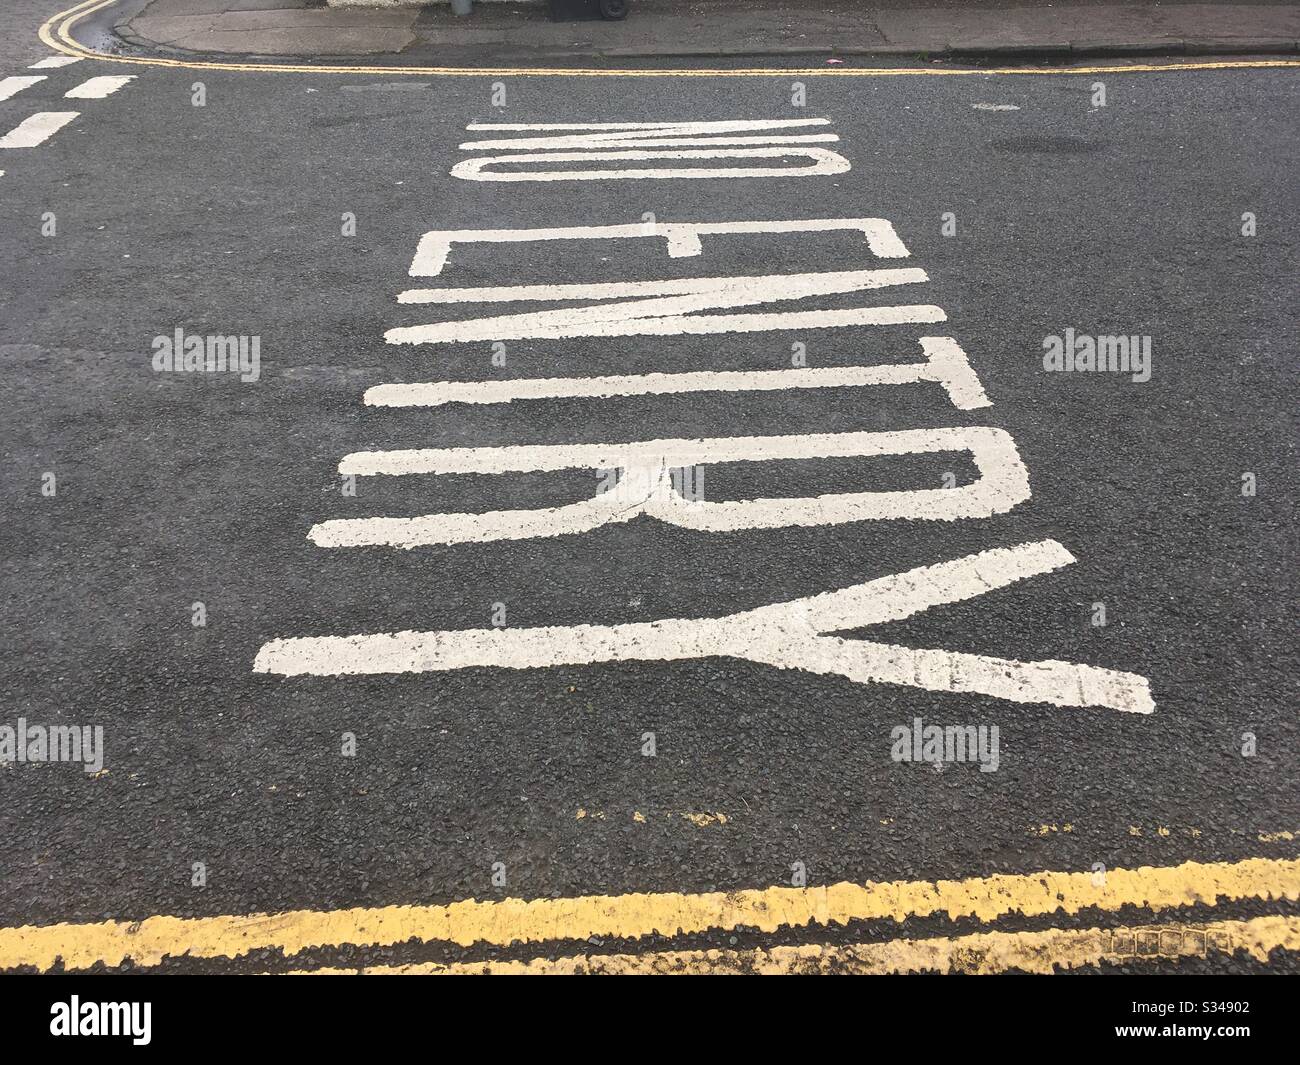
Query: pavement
[(668, 28), (362, 652)]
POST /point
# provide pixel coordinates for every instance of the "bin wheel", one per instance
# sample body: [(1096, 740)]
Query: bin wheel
[(613, 9)]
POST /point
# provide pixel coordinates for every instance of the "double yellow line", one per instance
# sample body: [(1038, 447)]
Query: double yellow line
[(983, 954), (57, 33), (635, 916), (628, 917)]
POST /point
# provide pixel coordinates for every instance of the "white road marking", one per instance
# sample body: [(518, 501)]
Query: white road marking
[(668, 315), (683, 238), (685, 140), (995, 107), (52, 61), (730, 291), (613, 140), (824, 163), (946, 364), (98, 88), (10, 87), (603, 134), (37, 129), (1003, 483), (790, 635)]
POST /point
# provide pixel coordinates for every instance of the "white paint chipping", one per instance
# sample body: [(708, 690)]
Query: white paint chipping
[(669, 308), (37, 129), (11, 87), (790, 635), (98, 88), (946, 364), (53, 61), (647, 488), (683, 238)]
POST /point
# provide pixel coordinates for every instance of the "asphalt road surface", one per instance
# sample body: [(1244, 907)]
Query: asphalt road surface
[(1100, 565)]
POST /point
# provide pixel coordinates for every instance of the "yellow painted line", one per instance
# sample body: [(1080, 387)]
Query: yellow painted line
[(633, 916), (982, 954), (704, 819), (56, 33), (700, 819)]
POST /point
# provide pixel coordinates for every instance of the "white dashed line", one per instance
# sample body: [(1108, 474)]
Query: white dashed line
[(52, 61), (10, 87), (98, 88), (37, 129)]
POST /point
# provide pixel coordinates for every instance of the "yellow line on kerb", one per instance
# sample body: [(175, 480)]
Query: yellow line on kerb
[(633, 916), (982, 954), (56, 32)]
